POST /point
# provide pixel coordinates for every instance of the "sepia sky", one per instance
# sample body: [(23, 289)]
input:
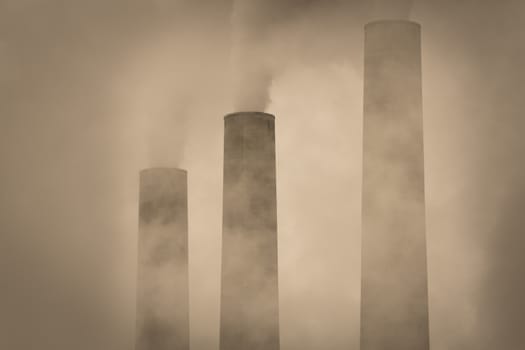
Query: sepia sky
[(93, 91)]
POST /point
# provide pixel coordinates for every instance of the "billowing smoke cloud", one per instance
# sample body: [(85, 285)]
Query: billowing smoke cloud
[(72, 142), (251, 26), (268, 36), (156, 101)]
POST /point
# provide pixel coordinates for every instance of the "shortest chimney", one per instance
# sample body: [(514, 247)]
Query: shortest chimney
[(163, 292)]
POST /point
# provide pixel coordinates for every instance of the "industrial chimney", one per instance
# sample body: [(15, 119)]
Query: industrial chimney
[(249, 284), (162, 301), (394, 306)]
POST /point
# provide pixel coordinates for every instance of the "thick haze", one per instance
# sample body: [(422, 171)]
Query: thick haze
[(93, 91)]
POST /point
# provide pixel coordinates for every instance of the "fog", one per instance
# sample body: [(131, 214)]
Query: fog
[(94, 91)]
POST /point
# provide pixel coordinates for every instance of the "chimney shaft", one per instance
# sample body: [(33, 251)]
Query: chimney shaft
[(249, 290), (394, 306), (162, 300)]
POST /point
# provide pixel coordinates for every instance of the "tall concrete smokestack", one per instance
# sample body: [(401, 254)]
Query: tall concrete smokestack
[(163, 296), (394, 306), (249, 290)]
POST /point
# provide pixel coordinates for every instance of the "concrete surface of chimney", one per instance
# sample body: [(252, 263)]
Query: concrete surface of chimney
[(249, 284), (394, 297), (162, 298)]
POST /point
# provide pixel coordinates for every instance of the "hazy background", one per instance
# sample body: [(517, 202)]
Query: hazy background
[(92, 91)]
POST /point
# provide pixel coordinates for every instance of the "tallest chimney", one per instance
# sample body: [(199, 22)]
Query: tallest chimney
[(394, 298)]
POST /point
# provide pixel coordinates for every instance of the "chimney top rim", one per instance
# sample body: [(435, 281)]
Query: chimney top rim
[(160, 168), (250, 114), (392, 21)]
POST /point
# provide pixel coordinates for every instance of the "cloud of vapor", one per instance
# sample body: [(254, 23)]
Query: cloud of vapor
[(269, 36), (84, 104), (161, 84), (150, 89), (250, 27)]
